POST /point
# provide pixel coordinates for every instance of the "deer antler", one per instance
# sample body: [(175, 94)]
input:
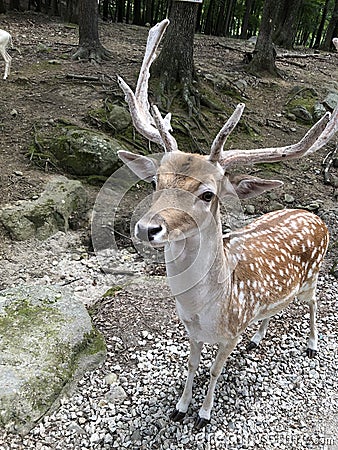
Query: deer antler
[(314, 139), (156, 129)]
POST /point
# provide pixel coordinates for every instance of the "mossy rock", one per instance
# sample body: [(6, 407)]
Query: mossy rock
[(302, 103), (80, 151), (47, 342)]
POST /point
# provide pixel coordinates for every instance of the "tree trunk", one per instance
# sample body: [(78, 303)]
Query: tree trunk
[(14, 5), (229, 17), (245, 22), (264, 55), (175, 64), (105, 10), (321, 25), (137, 13), (286, 23), (90, 47), (120, 10), (2, 7), (332, 28), (69, 11), (176, 58)]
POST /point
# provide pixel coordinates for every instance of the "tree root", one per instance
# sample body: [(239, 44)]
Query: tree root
[(191, 97), (93, 53)]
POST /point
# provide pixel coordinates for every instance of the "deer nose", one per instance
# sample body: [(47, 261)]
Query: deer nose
[(148, 232), (154, 230)]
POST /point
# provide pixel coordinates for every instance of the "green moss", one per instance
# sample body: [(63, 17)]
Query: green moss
[(112, 291), (94, 343), (270, 167)]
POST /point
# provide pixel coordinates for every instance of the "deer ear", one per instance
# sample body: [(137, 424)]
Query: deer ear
[(247, 186), (145, 168)]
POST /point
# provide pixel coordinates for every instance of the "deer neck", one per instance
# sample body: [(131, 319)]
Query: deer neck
[(197, 268)]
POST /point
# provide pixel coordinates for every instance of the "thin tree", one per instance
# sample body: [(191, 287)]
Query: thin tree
[(321, 24), (286, 23), (332, 28), (90, 47), (264, 55), (246, 18)]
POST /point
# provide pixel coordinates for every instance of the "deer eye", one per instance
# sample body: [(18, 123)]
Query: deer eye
[(207, 196), (153, 183)]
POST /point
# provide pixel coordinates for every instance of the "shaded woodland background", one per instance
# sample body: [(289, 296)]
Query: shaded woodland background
[(310, 23)]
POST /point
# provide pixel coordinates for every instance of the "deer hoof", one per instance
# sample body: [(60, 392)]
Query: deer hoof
[(310, 353), (177, 416), (251, 346), (201, 423)]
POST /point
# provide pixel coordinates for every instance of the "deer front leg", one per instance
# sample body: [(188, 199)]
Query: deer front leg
[(224, 351), (194, 359), (309, 295)]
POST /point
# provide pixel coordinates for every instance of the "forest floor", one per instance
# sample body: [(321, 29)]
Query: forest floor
[(45, 85)]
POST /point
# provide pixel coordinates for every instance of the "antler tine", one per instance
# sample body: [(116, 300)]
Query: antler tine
[(154, 38), (138, 103), (169, 142), (220, 139), (315, 138), (330, 130), (139, 116)]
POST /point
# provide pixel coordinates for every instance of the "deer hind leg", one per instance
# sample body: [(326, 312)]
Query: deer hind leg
[(194, 359), (308, 294), (8, 64), (7, 58), (224, 351), (259, 335)]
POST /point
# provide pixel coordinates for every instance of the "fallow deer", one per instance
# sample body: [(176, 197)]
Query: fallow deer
[(223, 283)]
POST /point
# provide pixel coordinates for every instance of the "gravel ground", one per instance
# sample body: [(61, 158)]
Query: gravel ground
[(272, 398)]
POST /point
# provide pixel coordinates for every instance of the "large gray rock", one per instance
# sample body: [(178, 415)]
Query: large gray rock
[(47, 341), (50, 213)]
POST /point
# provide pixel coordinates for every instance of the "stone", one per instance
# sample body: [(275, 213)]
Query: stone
[(116, 394), (47, 342), (334, 268), (331, 100), (84, 152), (274, 206), (62, 201), (252, 40), (241, 85), (250, 209), (119, 117), (291, 117), (289, 198), (302, 113), (318, 111)]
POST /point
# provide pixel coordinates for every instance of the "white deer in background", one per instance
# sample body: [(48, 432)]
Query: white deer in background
[(5, 42), (223, 284)]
